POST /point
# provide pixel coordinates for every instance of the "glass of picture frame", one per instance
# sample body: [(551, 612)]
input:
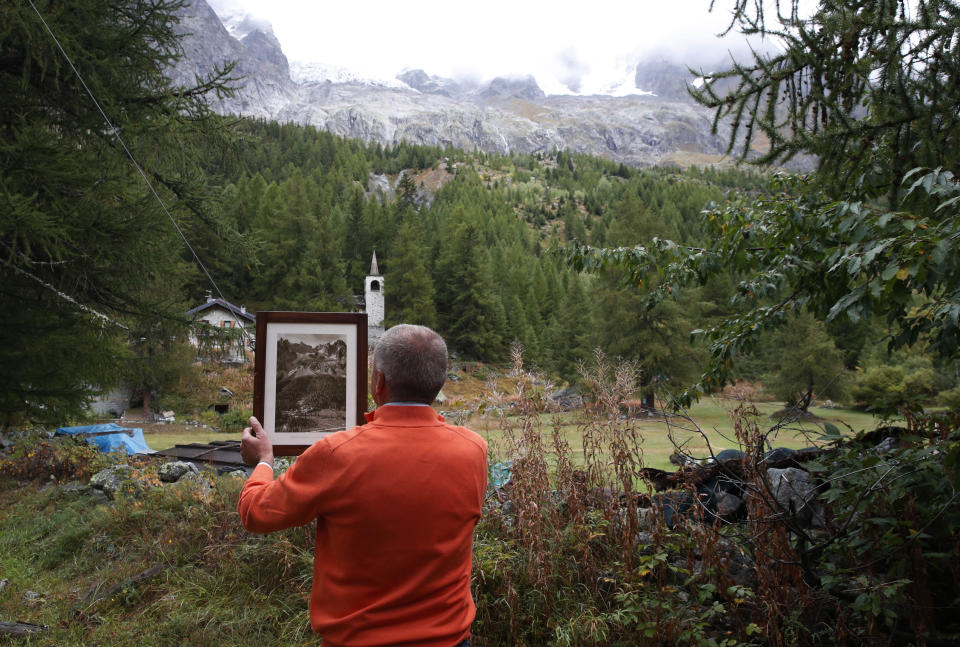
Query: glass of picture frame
[(310, 376)]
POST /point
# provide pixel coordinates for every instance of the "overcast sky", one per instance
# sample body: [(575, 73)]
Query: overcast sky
[(598, 41)]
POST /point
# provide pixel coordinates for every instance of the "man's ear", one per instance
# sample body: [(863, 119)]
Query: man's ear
[(379, 386)]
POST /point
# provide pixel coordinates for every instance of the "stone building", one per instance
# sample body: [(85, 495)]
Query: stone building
[(373, 303)]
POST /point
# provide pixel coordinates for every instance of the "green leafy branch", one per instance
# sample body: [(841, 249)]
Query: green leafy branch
[(797, 249)]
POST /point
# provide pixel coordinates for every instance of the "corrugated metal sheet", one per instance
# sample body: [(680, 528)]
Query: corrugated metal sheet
[(219, 452)]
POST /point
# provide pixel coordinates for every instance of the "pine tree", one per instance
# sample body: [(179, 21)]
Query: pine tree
[(575, 330), (82, 240), (805, 363), (465, 304), (357, 246), (870, 88), (411, 293)]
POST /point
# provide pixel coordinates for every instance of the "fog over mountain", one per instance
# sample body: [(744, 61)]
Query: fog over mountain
[(643, 118)]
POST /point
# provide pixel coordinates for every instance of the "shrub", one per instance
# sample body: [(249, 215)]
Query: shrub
[(566, 555), (890, 388), (210, 418), (883, 389), (235, 420), (950, 399), (36, 456)]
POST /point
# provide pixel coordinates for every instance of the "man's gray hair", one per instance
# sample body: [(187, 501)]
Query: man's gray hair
[(413, 360)]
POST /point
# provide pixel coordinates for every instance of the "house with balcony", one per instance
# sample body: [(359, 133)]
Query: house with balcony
[(222, 331)]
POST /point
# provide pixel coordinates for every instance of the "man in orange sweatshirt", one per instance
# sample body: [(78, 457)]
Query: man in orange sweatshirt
[(395, 500)]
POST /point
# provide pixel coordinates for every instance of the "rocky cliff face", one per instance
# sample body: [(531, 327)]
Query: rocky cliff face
[(265, 86), (502, 116), (665, 79)]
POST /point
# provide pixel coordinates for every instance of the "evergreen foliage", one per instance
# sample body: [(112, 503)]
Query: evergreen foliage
[(806, 363), (86, 256), (870, 89), (468, 258), (411, 295)]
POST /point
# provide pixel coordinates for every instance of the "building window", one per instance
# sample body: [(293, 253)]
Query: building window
[(226, 324), (375, 286)]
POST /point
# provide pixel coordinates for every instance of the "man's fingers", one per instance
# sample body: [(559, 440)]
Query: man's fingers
[(254, 444), (254, 430)]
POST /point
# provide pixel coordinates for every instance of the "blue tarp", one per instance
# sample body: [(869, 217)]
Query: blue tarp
[(499, 475), (128, 440)]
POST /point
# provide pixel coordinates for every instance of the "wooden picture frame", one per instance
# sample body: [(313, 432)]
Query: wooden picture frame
[(310, 376)]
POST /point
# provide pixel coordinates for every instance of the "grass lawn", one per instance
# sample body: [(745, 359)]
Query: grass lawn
[(164, 436), (713, 416), (166, 439)]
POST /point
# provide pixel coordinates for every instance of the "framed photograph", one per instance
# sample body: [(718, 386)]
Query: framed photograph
[(310, 376)]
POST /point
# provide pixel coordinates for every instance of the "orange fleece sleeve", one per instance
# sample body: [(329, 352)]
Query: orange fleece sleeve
[(268, 504)]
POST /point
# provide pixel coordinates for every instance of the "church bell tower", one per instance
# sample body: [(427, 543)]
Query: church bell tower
[(373, 298)]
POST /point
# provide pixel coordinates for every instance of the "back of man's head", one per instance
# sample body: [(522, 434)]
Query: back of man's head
[(413, 360)]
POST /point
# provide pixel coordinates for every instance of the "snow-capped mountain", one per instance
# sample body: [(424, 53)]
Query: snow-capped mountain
[(643, 117)]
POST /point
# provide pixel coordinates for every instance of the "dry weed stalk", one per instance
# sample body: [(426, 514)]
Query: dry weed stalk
[(780, 584), (530, 482), (612, 449), (551, 494)]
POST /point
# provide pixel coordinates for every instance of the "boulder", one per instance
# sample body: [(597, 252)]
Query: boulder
[(567, 399), (32, 598), (794, 491), (191, 477), (75, 489), (730, 507), (110, 480), (675, 506), (198, 482), (232, 470), (730, 455), (886, 445), (778, 455), (740, 566), (172, 471), (721, 494)]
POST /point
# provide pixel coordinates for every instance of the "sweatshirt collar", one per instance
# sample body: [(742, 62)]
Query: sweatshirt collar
[(403, 415)]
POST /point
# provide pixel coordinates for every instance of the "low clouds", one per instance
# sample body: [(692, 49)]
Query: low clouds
[(567, 46)]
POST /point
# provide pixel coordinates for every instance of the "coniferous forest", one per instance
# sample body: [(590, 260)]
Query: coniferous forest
[(468, 243)]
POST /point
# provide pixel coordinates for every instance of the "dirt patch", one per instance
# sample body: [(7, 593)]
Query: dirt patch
[(433, 179), (747, 391), (795, 414)]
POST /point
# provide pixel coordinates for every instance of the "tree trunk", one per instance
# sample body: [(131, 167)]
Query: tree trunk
[(648, 402)]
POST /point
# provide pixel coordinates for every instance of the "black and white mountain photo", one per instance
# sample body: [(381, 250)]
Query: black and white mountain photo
[(311, 382)]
